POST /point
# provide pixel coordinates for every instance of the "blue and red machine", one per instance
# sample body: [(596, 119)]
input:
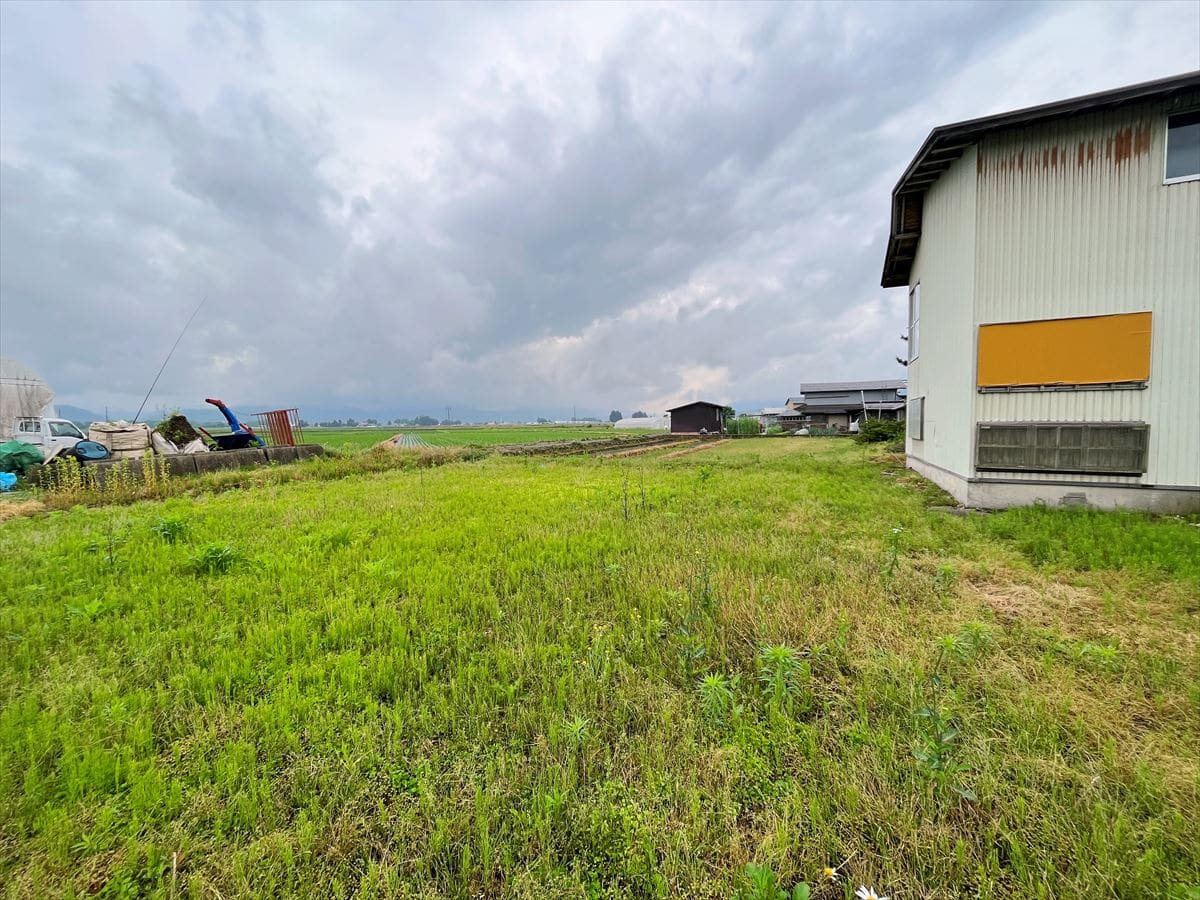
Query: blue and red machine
[(240, 436)]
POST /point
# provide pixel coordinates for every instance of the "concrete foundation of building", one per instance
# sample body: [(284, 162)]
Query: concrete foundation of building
[(994, 493)]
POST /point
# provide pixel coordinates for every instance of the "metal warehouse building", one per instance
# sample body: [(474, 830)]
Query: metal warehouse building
[(1052, 262)]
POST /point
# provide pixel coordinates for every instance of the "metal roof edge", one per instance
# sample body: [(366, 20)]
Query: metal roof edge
[(696, 403), (968, 132)]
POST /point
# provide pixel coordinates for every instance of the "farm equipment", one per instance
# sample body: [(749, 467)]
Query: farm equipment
[(240, 436)]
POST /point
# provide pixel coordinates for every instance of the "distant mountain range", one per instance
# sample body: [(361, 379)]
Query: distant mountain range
[(322, 412), (81, 416), (76, 414)]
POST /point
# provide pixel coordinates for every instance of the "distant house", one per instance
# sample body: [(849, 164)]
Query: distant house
[(838, 403), (769, 415), (691, 418), (785, 416)]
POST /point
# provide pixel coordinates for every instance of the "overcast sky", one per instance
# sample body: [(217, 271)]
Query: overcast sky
[(398, 207)]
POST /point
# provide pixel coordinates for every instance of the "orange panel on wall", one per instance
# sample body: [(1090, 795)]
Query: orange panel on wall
[(1088, 350)]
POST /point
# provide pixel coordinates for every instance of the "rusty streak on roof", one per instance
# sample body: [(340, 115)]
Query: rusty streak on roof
[(946, 143)]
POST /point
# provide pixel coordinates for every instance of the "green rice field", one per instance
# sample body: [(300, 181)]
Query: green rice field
[(457, 436), (446, 674)]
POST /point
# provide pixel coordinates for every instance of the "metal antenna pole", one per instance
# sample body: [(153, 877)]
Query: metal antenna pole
[(168, 359)]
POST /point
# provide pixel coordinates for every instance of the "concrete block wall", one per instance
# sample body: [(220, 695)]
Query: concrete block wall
[(200, 463)]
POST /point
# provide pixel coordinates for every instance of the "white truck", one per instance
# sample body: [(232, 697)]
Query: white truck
[(51, 436), (26, 413)]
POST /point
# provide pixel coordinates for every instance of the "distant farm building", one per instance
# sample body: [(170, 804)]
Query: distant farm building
[(1051, 262), (836, 404), (770, 415), (786, 417), (692, 418)]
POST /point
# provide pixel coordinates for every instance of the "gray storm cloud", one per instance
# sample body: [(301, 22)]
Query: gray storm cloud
[(391, 206)]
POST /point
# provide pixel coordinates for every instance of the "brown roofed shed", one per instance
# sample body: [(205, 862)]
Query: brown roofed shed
[(692, 417)]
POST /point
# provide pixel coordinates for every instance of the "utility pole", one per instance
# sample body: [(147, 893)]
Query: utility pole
[(447, 415), (572, 413)]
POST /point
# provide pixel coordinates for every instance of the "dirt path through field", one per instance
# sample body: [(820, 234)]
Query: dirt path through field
[(702, 446), (616, 454)]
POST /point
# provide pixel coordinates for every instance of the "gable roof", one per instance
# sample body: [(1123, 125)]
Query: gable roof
[(696, 403), (946, 144), (818, 387)]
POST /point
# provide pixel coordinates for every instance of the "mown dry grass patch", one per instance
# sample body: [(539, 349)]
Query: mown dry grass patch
[(1137, 614), (11, 509)]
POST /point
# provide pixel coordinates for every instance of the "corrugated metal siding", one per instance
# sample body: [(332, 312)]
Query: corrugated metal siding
[(944, 371), (1081, 406), (1073, 219)]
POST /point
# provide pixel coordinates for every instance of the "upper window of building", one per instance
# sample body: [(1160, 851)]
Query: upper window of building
[(1183, 147), (914, 322)]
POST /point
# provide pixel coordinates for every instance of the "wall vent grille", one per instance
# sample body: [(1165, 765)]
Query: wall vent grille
[(1107, 448)]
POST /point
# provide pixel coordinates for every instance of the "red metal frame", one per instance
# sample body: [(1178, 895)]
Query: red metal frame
[(280, 427)]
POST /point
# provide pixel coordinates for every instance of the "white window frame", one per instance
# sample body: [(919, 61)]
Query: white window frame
[(1181, 179), (914, 321), (915, 424)]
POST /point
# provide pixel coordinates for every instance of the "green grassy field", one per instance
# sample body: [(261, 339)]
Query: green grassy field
[(571, 677), (458, 436)]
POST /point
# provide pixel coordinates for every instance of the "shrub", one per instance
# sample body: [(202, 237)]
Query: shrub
[(877, 431), (65, 482), (743, 425)]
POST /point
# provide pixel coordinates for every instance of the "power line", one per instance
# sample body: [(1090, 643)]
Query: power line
[(168, 359)]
